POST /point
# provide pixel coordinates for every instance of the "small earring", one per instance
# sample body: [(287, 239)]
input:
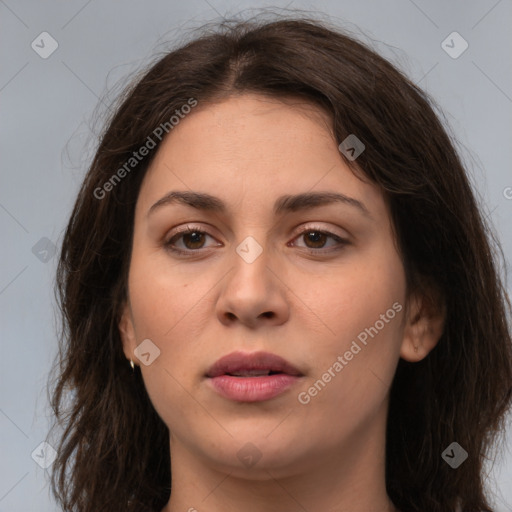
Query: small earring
[(415, 348), (132, 365)]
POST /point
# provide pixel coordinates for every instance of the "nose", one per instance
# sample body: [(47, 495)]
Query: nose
[(253, 293)]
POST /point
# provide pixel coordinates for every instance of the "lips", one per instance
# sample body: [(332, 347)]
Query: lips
[(256, 377), (257, 364)]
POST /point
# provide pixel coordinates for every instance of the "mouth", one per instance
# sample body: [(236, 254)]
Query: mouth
[(256, 364), (253, 373), (252, 377)]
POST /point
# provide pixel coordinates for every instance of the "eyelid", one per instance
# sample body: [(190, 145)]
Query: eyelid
[(189, 227), (318, 227), (183, 230), (296, 232)]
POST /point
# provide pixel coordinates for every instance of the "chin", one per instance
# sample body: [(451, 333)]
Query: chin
[(254, 453)]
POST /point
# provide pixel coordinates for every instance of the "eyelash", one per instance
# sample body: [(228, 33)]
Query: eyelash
[(169, 244)]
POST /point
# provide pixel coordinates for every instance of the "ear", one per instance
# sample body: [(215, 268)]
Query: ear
[(424, 324), (127, 332)]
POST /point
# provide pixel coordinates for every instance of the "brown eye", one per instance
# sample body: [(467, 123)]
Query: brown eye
[(315, 241), (187, 241), (193, 240), (316, 238)]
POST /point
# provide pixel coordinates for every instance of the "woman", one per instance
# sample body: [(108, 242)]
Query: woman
[(278, 292)]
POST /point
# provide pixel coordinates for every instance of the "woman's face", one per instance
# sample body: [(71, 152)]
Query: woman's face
[(317, 283)]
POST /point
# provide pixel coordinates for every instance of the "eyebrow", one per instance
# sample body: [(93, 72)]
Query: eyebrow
[(283, 204)]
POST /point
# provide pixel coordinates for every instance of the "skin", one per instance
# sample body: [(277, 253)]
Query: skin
[(328, 454)]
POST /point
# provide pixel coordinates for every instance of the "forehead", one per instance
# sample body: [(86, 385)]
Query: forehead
[(251, 149)]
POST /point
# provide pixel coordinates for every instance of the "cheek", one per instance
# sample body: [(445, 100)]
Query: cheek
[(161, 297), (363, 308), (354, 368), (173, 309), (163, 302), (358, 295)]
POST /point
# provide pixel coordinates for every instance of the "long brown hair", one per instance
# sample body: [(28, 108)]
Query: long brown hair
[(113, 453)]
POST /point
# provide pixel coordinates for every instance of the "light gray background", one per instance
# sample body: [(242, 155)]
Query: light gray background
[(46, 110)]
